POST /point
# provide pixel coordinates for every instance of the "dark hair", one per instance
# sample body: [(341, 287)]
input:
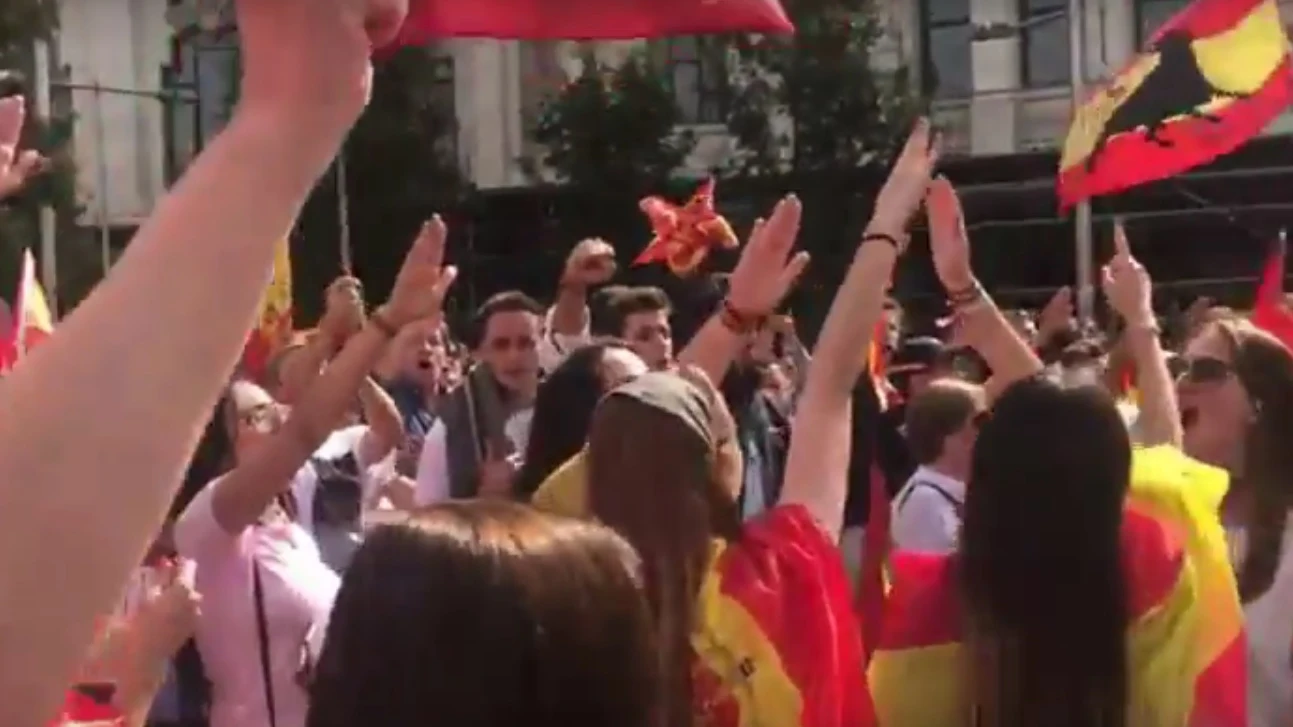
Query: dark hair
[(938, 412), (669, 501), (563, 411), (1040, 566), (601, 318), (631, 301), (490, 614), (1265, 370), (509, 301)]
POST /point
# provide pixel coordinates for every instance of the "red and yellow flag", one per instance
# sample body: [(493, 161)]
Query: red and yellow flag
[(33, 321), (588, 19), (1270, 313), (273, 328), (1210, 79), (1186, 645), (776, 642)]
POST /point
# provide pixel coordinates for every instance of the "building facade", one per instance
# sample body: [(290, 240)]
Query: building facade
[(149, 91)]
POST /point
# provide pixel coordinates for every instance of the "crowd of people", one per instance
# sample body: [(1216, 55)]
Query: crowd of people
[(560, 518)]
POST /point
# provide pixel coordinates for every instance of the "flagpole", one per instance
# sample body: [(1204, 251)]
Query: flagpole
[(343, 213), (1082, 237), (101, 160), (48, 223)]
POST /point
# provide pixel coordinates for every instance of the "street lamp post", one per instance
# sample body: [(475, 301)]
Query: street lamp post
[(1082, 238)]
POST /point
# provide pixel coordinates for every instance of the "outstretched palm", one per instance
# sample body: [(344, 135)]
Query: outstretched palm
[(423, 281), (767, 269), (16, 169)]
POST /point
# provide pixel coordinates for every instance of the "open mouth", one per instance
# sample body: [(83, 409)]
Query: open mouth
[(425, 365), (1189, 416)]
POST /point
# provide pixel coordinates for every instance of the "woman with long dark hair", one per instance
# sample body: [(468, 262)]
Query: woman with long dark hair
[(490, 614), (1237, 406), (1090, 588), (564, 404), (754, 620)]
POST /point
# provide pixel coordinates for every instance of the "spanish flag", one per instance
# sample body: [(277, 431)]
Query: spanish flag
[(273, 328), (588, 19), (1210, 79), (33, 321), (1186, 646), (776, 642)]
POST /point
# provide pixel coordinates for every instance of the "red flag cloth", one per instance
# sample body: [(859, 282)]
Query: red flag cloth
[(1269, 312), (588, 19), (1210, 79)]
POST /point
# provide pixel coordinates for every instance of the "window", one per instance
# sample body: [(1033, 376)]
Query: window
[(443, 96), (1044, 38), (945, 50), (696, 70), (1152, 14)]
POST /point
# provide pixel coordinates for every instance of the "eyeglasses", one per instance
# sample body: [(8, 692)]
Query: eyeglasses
[(1204, 370), (262, 417)]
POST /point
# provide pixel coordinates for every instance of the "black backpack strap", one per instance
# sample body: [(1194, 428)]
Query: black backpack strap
[(262, 631), (955, 503)]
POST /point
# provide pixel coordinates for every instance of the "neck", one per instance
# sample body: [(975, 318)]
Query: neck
[(950, 469)]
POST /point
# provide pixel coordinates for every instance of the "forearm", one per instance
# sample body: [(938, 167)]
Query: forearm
[(712, 349), (204, 255), (570, 311), (385, 427), (1009, 356), (1159, 420), (301, 367)]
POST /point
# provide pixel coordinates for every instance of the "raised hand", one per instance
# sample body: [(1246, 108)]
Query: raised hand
[(592, 262), (307, 61), (169, 613), (16, 169), (948, 241), (423, 281), (905, 188), (1126, 282), (766, 270), (343, 313), (497, 472)]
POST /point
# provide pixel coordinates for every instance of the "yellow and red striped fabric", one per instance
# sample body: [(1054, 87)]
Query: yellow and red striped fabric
[(776, 642), (273, 328), (1186, 643)]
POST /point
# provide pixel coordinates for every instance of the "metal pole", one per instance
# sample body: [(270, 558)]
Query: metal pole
[(101, 160), (48, 228), (343, 213), (1083, 247)]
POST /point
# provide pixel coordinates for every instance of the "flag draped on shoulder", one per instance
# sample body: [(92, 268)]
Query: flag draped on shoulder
[(775, 640), (33, 320), (1209, 80), (1186, 645), (273, 328), (588, 19)]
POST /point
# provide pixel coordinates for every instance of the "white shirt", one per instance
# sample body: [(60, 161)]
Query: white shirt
[(1269, 624), (926, 517), (554, 347), (433, 465)]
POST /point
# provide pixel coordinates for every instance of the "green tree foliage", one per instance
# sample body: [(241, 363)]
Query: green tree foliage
[(402, 149), (840, 112), (613, 128)]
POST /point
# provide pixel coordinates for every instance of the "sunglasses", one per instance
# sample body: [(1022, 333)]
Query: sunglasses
[(1202, 370)]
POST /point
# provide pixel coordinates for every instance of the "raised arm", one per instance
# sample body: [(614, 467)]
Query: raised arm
[(821, 437), (764, 274), (1128, 288), (979, 322), (419, 289), (155, 342)]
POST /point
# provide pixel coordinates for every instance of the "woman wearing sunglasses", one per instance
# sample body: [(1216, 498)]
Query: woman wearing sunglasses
[(1236, 395), (1090, 585)]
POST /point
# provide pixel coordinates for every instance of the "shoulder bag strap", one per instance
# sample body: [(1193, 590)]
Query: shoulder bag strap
[(955, 503), (262, 632)]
